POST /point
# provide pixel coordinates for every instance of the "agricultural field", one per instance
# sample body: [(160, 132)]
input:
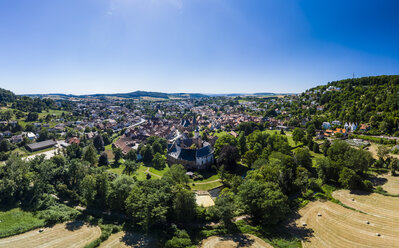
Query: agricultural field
[(229, 241), (389, 183), (373, 204), (71, 234), (328, 224), (128, 240)]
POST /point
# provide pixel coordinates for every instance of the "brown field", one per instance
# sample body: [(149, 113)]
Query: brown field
[(388, 183), (341, 227), (245, 240), (72, 234), (373, 204), (128, 240)]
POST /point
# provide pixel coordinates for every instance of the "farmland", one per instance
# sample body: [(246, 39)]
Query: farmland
[(369, 220), (246, 240), (72, 234)]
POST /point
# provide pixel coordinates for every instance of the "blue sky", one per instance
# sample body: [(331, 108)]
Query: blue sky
[(207, 46)]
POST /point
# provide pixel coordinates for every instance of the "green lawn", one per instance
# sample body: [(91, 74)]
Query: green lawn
[(159, 172), (16, 221), (140, 173), (207, 186)]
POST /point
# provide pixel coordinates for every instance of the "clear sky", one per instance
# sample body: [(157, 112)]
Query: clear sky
[(207, 46)]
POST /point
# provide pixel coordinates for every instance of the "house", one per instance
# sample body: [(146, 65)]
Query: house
[(16, 139), (326, 125), (30, 135), (182, 152), (336, 123), (364, 127), (41, 145), (350, 126), (125, 144)]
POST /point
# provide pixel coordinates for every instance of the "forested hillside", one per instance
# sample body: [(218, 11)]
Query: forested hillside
[(373, 100)]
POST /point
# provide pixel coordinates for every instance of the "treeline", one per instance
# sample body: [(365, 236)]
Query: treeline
[(373, 100), (25, 103)]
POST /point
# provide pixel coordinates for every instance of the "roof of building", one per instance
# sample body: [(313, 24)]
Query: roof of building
[(42, 144)]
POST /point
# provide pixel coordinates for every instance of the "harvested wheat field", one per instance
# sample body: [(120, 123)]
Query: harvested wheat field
[(388, 183), (128, 240), (331, 225), (373, 204), (72, 234), (230, 241)]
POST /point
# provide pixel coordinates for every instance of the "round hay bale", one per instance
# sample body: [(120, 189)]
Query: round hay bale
[(319, 214), (367, 222), (304, 224), (377, 234)]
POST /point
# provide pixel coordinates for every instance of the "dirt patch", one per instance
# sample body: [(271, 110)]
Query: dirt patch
[(230, 241), (128, 240), (333, 225), (72, 234), (204, 199)]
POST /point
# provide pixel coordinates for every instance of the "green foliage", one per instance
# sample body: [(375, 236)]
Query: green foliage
[(149, 202), (263, 201), (90, 155), (130, 167), (58, 213), (158, 161), (180, 240), (176, 175)]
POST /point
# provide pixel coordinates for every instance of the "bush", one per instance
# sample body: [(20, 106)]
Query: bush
[(58, 213), (367, 185)]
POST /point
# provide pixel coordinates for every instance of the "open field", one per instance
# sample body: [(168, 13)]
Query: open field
[(229, 241), (17, 221), (342, 227), (72, 234), (373, 204), (127, 240), (388, 183)]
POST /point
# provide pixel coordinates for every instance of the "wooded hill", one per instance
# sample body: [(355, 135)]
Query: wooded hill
[(373, 100)]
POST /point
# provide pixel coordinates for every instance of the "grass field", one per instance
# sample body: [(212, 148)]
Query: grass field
[(17, 221), (331, 225), (72, 234)]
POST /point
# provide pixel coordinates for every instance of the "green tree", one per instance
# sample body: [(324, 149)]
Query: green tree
[(131, 155), (159, 162), (225, 207), (98, 142), (349, 179), (119, 191), (176, 175), (148, 203), (130, 167), (263, 201), (88, 189), (228, 157), (184, 204), (298, 135), (249, 158), (103, 160), (90, 155), (117, 154)]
